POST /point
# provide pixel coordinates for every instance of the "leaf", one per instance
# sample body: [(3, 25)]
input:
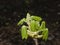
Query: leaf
[(24, 32), (42, 25), (32, 26), (21, 21), (36, 18), (37, 25), (28, 18), (45, 34), (28, 15)]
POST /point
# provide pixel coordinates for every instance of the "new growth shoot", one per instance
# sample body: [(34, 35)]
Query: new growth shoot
[(35, 27)]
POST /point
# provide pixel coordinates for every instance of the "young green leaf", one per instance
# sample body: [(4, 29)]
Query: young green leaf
[(37, 25), (28, 18), (45, 34), (42, 25), (21, 21), (32, 25), (28, 15), (24, 32), (36, 18)]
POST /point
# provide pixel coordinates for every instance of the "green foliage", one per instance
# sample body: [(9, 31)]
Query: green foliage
[(24, 32), (21, 21), (36, 18), (32, 25), (43, 25), (45, 34), (34, 28)]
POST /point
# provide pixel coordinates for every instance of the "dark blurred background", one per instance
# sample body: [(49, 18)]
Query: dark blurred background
[(11, 11)]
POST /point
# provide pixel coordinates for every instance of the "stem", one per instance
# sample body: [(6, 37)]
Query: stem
[(36, 41)]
